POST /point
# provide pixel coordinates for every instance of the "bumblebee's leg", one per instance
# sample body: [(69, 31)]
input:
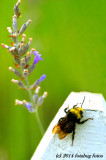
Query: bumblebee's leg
[(73, 134), (84, 121), (66, 109), (75, 105)]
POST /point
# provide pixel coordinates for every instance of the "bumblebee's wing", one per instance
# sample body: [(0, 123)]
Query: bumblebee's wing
[(69, 127), (62, 135), (57, 130), (63, 131)]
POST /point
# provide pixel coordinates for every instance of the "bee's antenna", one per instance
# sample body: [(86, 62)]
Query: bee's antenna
[(83, 102)]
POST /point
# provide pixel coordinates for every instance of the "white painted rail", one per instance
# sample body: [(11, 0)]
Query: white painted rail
[(90, 137)]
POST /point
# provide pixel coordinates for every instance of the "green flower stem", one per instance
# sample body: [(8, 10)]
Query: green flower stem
[(39, 123), (36, 111)]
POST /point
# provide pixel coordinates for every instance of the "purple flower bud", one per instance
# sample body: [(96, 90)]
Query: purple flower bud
[(42, 77), (30, 107), (23, 28), (21, 84), (36, 53), (17, 73), (37, 57), (16, 10), (40, 101), (37, 82), (17, 60), (32, 67), (15, 28), (13, 50), (23, 49), (35, 97)]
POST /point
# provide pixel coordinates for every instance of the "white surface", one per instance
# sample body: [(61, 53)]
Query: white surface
[(90, 137)]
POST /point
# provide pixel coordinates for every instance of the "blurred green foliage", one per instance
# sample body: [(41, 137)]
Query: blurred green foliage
[(71, 36)]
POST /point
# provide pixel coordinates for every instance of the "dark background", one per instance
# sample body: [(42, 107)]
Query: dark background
[(71, 36)]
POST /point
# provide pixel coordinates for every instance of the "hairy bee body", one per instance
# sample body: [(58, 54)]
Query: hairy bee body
[(67, 123)]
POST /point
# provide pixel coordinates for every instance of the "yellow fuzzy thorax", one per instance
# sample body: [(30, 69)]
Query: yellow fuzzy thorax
[(76, 111)]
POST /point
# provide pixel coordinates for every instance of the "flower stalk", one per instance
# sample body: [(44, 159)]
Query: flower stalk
[(23, 68)]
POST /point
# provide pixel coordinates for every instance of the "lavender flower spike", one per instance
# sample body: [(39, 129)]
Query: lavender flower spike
[(37, 57), (21, 55)]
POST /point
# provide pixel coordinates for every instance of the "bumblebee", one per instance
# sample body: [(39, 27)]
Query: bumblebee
[(67, 124)]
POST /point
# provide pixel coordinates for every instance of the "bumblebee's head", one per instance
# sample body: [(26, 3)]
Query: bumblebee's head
[(80, 109), (77, 111)]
